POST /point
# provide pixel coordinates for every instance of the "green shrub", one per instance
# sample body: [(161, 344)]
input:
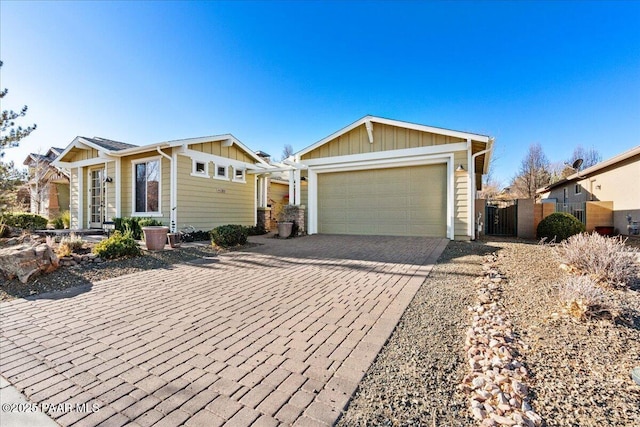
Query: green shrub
[(229, 235), (57, 223), (25, 221), (256, 230), (116, 246), (149, 222), (559, 226)]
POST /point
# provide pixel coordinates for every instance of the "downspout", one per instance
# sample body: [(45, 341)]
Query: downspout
[(472, 169), (172, 191)]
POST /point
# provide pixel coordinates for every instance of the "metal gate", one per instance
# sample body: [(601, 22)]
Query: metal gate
[(501, 218)]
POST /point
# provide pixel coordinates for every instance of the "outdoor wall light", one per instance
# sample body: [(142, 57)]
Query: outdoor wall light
[(108, 179), (460, 168)]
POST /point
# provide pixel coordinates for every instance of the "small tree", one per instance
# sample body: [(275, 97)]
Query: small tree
[(287, 151), (10, 136), (533, 174)]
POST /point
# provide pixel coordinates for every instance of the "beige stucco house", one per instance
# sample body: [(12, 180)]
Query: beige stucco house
[(614, 180), (200, 182), (387, 177)]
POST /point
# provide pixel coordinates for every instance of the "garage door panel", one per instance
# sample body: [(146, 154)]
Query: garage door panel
[(394, 201)]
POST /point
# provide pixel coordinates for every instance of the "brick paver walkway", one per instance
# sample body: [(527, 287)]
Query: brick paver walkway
[(279, 334)]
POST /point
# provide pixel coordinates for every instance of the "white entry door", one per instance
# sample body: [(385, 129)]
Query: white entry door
[(96, 198)]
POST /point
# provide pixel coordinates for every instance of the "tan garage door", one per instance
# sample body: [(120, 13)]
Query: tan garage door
[(410, 201)]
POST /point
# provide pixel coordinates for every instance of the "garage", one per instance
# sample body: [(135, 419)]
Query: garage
[(401, 201)]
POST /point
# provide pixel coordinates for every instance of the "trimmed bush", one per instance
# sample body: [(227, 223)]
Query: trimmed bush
[(57, 223), (559, 226), (229, 235), (117, 246), (25, 221), (606, 260)]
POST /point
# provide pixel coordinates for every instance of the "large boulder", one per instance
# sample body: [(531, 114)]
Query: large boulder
[(26, 260)]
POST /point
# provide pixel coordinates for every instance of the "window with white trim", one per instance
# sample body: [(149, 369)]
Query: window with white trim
[(221, 172), (239, 175), (200, 168), (578, 189), (146, 186)]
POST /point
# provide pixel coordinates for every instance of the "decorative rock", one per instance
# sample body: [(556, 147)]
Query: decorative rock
[(503, 420), (26, 260)]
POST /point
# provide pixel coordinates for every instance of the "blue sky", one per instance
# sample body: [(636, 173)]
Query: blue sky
[(275, 73)]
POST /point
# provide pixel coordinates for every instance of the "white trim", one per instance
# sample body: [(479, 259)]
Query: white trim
[(82, 163), (451, 183), (397, 123), (369, 125), (312, 182), (470, 191), (243, 177), (291, 189), (80, 199), (173, 214), (255, 199), (118, 186), (194, 172), (312, 201), (388, 154), (227, 143), (219, 177), (135, 162), (218, 160), (298, 187)]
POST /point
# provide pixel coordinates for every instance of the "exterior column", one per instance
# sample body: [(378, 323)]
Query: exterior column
[(80, 198), (298, 186), (291, 189)]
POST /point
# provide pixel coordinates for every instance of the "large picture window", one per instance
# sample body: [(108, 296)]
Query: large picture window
[(147, 186)]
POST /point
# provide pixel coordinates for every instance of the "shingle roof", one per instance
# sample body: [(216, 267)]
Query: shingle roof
[(109, 144)]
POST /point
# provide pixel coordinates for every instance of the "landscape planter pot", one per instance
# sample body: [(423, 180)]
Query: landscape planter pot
[(155, 237), (174, 240), (284, 229), (604, 230)]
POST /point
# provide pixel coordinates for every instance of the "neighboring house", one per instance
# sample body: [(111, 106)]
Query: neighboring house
[(48, 184), (387, 177), (200, 182), (615, 180)]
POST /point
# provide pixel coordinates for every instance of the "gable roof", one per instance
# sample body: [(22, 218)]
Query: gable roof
[(109, 144), (635, 151), (119, 149), (398, 123)]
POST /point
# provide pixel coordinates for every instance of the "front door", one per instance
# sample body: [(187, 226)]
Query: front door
[(96, 198)]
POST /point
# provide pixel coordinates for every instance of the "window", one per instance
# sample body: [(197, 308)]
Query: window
[(200, 168), (578, 189), (565, 194), (221, 172), (147, 186), (238, 175)]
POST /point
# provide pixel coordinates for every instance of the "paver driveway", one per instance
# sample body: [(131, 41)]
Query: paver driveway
[(278, 334)]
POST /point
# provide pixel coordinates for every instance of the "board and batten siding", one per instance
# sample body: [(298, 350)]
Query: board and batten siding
[(206, 203), (385, 137), (126, 189)]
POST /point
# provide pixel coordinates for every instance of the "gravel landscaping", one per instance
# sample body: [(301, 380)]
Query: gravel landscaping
[(579, 372)]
